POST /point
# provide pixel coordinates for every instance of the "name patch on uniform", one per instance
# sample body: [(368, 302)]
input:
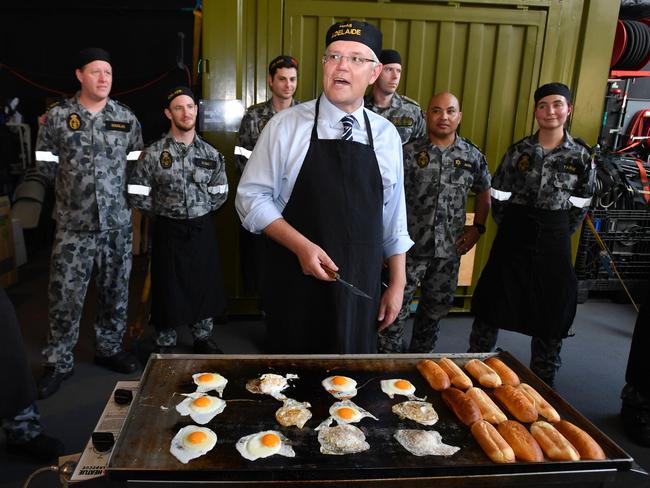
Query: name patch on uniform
[(74, 121), (570, 168), (459, 163), (205, 163), (402, 121), (423, 159), (523, 163), (116, 125), (166, 160), (261, 124)]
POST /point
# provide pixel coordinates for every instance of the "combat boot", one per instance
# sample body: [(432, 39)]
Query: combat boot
[(122, 362), (50, 381), (41, 447), (635, 413)]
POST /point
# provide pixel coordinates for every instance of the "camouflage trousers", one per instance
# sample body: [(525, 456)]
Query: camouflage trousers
[(545, 360), (74, 254), (438, 278), (24, 426), (200, 330)]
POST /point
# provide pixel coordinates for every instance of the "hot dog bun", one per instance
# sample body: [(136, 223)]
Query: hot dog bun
[(489, 409), (456, 375), (554, 444), (463, 406), (522, 442), (516, 403), (542, 406), (586, 446), (482, 373), (496, 448), (434, 374), (507, 375)]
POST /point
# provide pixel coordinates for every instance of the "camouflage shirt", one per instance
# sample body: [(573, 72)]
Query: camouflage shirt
[(252, 123), (562, 179), (85, 155), (404, 113), (177, 180), (436, 184)]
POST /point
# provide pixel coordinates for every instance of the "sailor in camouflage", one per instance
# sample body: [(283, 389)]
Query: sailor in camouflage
[(405, 114), (439, 172), (181, 179), (84, 147), (541, 192)]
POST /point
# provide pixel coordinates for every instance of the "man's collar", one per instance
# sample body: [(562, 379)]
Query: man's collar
[(333, 115)]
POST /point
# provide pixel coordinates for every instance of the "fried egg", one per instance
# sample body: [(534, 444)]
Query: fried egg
[(270, 384), (202, 408), (191, 442), (420, 412), (209, 381), (293, 412), (342, 439), (424, 442), (347, 412), (340, 387), (264, 444), (397, 387)]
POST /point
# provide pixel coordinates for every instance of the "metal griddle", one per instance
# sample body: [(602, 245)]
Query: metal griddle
[(142, 449)]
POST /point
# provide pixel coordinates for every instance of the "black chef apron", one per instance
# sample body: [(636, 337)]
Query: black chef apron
[(337, 203), (529, 284), (186, 280)]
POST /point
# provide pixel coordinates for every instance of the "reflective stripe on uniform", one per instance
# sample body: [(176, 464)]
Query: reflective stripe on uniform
[(133, 155), (139, 190), (218, 189), (580, 202), (242, 151), (47, 156), (502, 196)]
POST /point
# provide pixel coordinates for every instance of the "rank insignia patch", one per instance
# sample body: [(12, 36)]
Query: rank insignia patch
[(423, 159), (74, 121), (523, 164), (166, 160)]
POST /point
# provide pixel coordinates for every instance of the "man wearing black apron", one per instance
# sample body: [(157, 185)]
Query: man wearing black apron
[(540, 192), (181, 179), (325, 184)]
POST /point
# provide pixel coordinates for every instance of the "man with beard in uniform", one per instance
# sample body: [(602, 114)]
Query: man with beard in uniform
[(439, 172), (282, 80), (181, 179), (405, 114), (325, 184), (540, 192), (83, 147)]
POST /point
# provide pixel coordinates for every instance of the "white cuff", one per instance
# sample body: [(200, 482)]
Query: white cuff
[(580, 202), (242, 151), (218, 189), (47, 156), (499, 195), (133, 155), (139, 190)]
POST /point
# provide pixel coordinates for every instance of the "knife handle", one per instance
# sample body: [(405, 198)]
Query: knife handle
[(331, 273)]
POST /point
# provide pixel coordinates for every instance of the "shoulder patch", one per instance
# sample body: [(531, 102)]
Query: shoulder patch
[(583, 144), (409, 100), (53, 104), (123, 105), (472, 144)]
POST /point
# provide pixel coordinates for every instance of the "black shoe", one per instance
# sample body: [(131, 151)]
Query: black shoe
[(41, 447), (122, 362), (50, 381), (636, 423), (206, 346)]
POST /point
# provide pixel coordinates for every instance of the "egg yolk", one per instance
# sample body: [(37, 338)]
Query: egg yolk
[(270, 440), (346, 413), (339, 380), (402, 384), (204, 378), (197, 437), (201, 402)]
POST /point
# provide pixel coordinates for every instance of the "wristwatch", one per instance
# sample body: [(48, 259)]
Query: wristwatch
[(480, 228)]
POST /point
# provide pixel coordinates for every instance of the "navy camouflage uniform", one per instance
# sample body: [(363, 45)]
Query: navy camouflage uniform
[(404, 113), (529, 175), (85, 155), (436, 184), (180, 182)]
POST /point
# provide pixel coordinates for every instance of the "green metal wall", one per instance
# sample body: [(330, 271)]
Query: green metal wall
[(491, 53)]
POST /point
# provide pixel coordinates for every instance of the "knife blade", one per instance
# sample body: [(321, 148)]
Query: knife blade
[(349, 286)]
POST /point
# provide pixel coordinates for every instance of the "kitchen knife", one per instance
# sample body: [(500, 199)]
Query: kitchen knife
[(349, 286)]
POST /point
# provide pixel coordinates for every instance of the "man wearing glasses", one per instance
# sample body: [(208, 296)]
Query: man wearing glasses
[(181, 179), (325, 185)]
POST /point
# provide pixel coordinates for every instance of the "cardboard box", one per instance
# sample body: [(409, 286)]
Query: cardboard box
[(8, 275)]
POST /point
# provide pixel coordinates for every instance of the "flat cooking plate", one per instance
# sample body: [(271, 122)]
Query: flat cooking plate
[(142, 449)]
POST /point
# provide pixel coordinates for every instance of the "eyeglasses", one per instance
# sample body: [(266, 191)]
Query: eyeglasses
[(355, 60)]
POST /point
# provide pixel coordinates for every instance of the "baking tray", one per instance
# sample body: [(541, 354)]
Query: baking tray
[(142, 449)]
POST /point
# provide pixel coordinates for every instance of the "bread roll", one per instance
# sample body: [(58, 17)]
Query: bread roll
[(496, 448), (456, 375), (507, 375), (489, 409), (482, 373), (523, 444), (516, 403), (463, 406), (554, 444), (434, 374), (542, 406), (586, 446)]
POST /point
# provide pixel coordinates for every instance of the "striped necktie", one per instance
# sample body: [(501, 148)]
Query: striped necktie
[(347, 122)]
